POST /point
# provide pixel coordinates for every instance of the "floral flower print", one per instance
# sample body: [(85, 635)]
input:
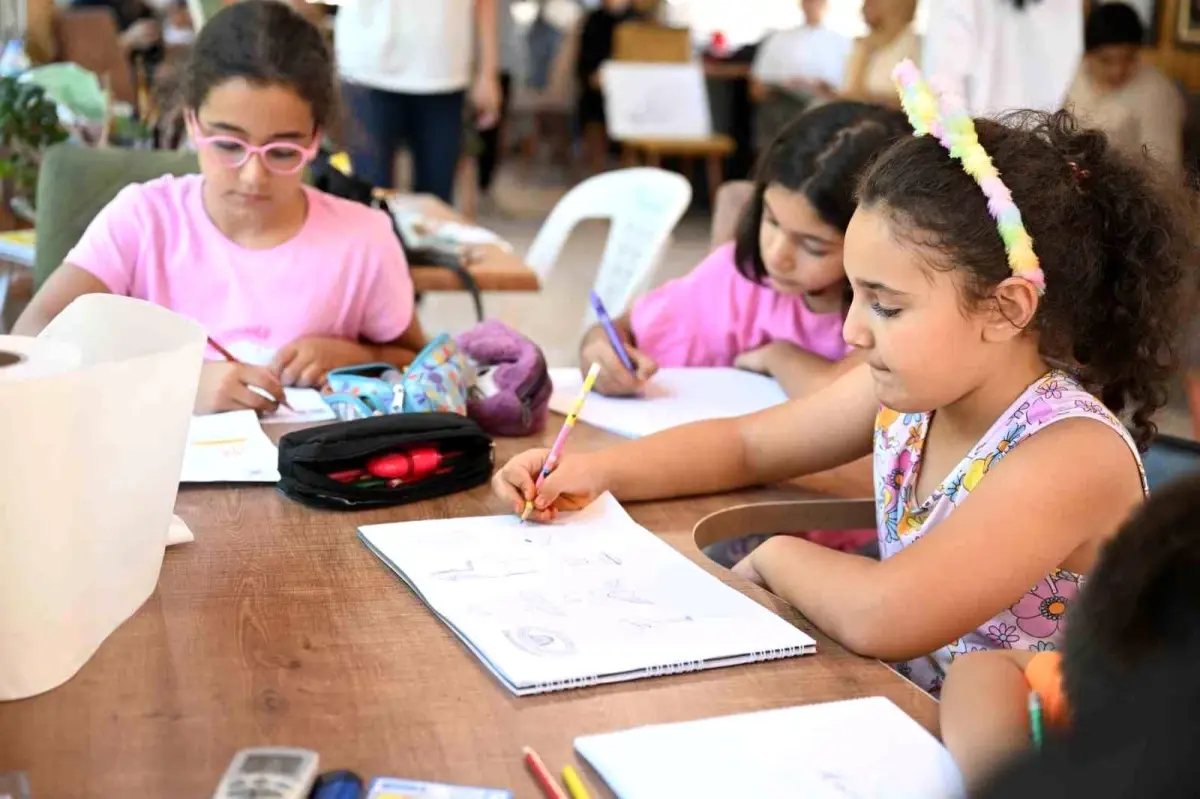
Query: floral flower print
[(1043, 609), (1003, 635)]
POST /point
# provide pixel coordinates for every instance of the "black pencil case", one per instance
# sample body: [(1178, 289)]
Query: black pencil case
[(384, 460)]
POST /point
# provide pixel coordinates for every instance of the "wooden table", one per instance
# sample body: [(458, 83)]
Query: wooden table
[(278, 627), (494, 268)]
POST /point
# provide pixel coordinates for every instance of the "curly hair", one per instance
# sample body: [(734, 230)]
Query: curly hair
[(820, 154), (264, 42), (1114, 235), (1142, 597)]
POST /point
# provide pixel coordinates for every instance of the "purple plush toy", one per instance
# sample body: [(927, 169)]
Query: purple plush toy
[(512, 389)]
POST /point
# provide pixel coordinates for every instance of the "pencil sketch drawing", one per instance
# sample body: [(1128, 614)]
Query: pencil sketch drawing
[(541, 641)]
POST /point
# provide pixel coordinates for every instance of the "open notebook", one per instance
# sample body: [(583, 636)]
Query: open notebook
[(858, 749), (673, 397), (593, 598)]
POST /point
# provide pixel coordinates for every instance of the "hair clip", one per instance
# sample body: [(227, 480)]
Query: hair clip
[(943, 116), (1080, 174)]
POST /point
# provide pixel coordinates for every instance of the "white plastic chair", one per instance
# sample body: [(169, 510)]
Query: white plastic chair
[(644, 206)]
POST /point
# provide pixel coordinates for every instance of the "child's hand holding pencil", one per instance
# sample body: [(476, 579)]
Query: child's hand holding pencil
[(537, 484)]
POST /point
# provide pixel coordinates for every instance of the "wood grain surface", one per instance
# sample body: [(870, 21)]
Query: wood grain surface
[(277, 627)]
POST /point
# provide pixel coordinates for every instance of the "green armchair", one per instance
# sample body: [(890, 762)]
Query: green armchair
[(75, 182)]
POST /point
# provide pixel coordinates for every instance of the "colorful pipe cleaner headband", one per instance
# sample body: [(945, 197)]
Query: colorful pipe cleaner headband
[(944, 117)]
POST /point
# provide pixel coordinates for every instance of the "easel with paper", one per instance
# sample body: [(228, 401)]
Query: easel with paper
[(656, 101)]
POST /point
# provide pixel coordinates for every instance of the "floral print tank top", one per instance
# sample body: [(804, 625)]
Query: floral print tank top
[(1036, 621)]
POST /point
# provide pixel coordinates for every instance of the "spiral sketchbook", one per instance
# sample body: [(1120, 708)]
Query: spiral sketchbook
[(838, 750), (593, 598)]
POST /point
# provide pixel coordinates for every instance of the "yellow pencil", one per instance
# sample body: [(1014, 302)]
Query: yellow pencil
[(575, 785), (561, 441)]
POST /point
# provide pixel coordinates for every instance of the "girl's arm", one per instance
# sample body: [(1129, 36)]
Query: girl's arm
[(800, 372), (306, 361), (63, 286), (984, 711), (800, 437), (1050, 503)]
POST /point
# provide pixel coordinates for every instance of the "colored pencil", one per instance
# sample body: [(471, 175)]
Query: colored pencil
[(560, 442), (1035, 719), (229, 356), (610, 330), (574, 784), (542, 775)]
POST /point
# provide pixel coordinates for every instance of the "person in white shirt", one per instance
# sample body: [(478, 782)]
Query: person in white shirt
[(406, 67), (1131, 101), (1000, 55), (809, 60)]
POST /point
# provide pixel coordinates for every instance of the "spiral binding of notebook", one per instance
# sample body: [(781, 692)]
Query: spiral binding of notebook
[(595, 599)]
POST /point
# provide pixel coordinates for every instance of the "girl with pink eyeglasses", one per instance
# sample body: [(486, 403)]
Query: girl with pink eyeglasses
[(293, 282)]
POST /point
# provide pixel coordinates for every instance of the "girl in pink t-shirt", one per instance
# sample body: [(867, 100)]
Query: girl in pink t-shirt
[(773, 301), (291, 281)]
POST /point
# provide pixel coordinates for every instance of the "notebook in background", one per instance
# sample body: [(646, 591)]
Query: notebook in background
[(859, 749), (229, 448), (18, 246), (673, 397), (592, 598)]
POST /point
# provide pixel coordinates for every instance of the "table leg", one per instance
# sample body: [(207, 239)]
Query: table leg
[(629, 157), (653, 158)]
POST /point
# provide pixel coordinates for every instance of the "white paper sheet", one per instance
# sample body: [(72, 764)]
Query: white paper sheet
[(307, 408), (89, 470), (592, 598), (673, 397), (656, 101), (229, 448), (858, 749)]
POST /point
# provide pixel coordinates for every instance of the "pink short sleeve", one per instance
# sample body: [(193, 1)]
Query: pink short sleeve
[(388, 310), (692, 321), (109, 247)]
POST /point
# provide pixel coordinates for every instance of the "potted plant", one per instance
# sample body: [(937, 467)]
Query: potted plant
[(28, 125)]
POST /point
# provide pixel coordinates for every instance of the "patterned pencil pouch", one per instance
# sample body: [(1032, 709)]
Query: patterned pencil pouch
[(438, 379)]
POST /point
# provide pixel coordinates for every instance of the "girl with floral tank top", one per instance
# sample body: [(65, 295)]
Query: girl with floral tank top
[(1017, 291)]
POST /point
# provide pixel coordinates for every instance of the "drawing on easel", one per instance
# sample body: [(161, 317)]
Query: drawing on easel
[(656, 101), (541, 641)]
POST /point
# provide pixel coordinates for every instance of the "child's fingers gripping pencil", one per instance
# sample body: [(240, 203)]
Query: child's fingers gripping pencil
[(229, 356), (560, 442), (610, 330)]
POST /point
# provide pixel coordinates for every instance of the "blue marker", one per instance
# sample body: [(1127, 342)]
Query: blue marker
[(610, 330)]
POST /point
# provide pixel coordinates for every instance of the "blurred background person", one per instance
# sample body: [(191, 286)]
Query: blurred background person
[(1004, 54), (1114, 90)]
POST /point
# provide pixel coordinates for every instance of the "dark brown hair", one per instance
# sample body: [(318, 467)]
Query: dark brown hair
[(820, 154), (264, 42), (1113, 234)]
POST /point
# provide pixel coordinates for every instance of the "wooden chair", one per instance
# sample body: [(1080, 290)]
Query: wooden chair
[(771, 518), (657, 44), (89, 37)]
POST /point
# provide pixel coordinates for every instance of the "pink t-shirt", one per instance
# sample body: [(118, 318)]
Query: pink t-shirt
[(343, 275), (713, 314)]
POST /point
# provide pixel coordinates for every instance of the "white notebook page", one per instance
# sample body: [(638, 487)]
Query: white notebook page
[(594, 597), (858, 749), (672, 397)]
